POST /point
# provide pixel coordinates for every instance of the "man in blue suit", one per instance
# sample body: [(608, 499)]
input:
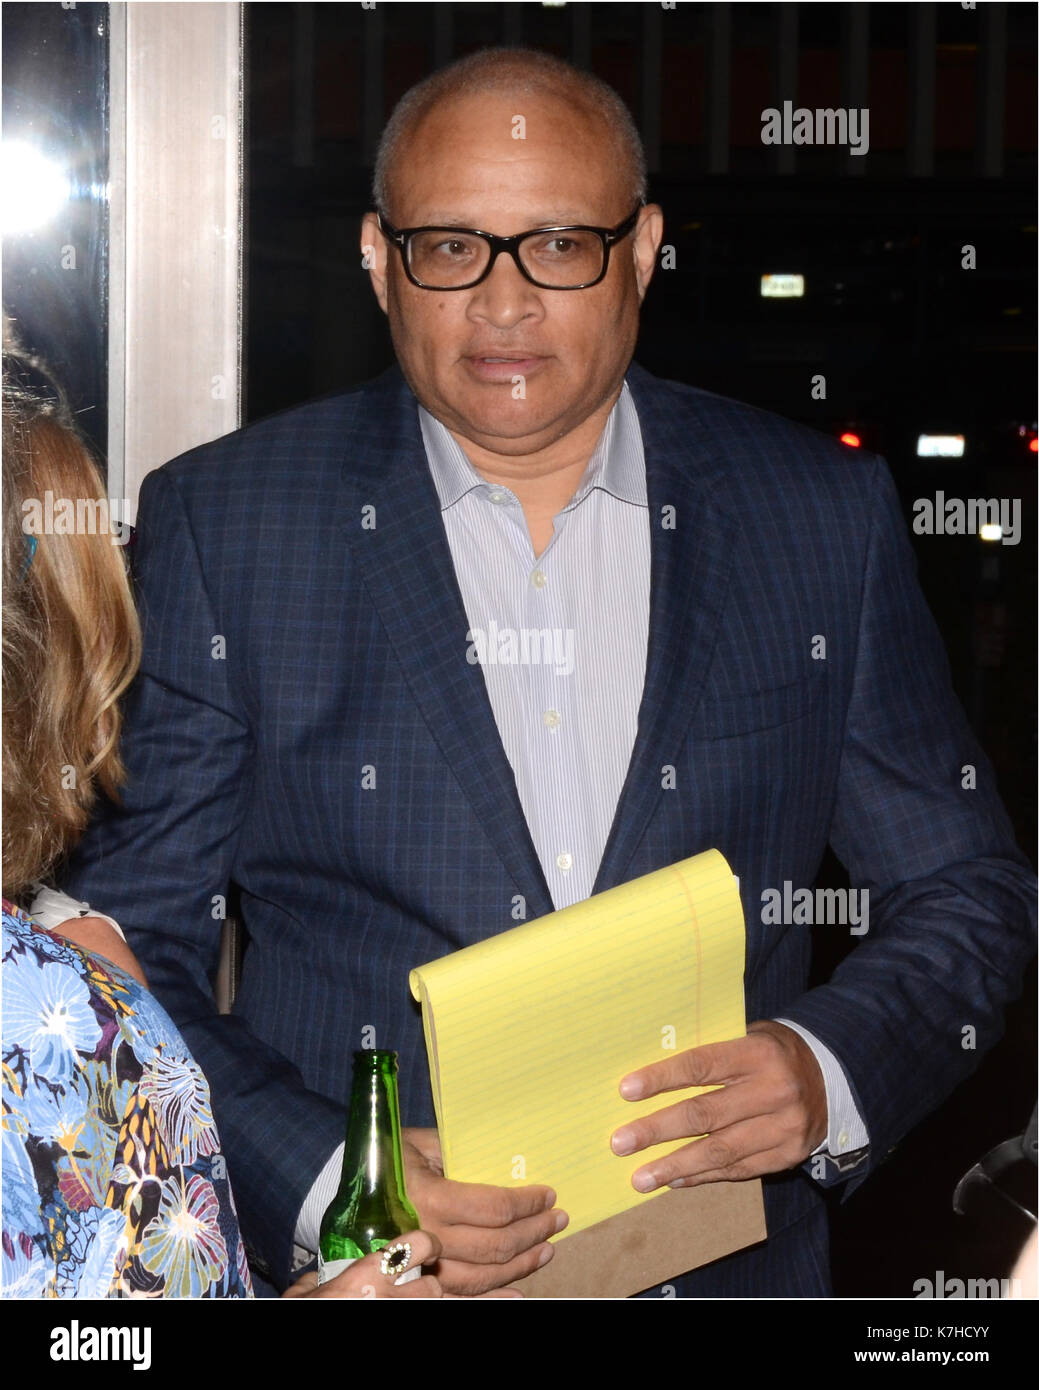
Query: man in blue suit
[(738, 657)]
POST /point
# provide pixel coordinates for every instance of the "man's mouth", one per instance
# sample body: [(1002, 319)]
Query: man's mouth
[(502, 369)]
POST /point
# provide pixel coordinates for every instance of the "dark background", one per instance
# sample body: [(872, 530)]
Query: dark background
[(909, 342)]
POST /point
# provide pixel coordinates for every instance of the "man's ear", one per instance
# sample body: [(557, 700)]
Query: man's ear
[(374, 254), (646, 239)]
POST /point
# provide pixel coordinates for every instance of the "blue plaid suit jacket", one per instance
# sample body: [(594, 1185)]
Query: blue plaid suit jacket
[(290, 645)]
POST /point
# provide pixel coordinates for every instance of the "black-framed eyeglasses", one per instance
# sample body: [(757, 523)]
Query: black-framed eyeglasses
[(553, 258)]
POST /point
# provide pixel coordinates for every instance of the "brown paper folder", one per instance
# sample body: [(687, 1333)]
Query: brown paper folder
[(681, 1229)]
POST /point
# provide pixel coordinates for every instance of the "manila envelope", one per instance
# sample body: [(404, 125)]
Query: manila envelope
[(680, 1229)]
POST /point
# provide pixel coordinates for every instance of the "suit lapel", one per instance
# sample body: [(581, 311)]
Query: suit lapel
[(406, 565), (690, 574)]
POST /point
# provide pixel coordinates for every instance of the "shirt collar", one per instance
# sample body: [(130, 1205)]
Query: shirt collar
[(617, 464)]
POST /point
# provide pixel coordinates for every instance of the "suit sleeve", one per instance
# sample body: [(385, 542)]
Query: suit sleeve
[(918, 823), (161, 863)]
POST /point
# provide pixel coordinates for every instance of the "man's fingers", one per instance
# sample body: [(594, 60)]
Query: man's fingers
[(469, 1280), (491, 1235), (753, 1166), (443, 1203), (478, 1258), (499, 1245), (695, 1115), (714, 1064), (742, 1151)]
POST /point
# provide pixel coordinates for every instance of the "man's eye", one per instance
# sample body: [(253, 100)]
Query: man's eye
[(561, 246), (453, 248)]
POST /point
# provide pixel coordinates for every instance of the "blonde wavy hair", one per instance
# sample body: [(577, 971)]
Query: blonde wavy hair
[(71, 637)]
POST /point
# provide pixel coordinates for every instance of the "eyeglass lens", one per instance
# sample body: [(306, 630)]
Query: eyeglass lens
[(560, 260)]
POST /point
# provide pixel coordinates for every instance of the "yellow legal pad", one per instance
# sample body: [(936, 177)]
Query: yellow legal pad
[(529, 1033)]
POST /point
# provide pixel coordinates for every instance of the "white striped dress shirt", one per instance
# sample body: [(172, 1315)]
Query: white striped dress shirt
[(564, 635)]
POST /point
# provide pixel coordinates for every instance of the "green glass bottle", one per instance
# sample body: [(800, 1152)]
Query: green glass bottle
[(371, 1208)]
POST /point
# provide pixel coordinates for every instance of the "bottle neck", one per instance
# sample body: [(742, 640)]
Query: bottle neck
[(372, 1156)]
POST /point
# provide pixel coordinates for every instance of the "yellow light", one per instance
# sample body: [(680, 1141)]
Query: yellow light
[(990, 531), (782, 286)]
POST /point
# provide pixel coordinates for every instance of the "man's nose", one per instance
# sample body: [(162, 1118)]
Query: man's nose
[(506, 296)]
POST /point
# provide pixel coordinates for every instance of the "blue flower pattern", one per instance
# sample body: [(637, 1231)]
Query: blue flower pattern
[(113, 1180)]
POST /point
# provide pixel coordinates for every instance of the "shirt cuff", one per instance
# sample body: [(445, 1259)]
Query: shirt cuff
[(49, 908), (845, 1131), (308, 1224)]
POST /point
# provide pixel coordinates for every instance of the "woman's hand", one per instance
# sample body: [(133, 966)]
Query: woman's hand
[(365, 1279)]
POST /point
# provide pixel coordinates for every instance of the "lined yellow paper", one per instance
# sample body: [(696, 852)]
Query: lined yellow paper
[(529, 1033)]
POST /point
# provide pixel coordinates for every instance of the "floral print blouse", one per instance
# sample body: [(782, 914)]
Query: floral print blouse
[(113, 1180)]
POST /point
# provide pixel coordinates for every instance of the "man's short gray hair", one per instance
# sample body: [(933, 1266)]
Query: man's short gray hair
[(514, 69)]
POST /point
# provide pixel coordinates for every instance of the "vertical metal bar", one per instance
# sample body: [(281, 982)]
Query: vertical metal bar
[(181, 325), (652, 83), (303, 85), (581, 36), (719, 37), (372, 86), (784, 78), (992, 74), (443, 34), (922, 55), (854, 71)]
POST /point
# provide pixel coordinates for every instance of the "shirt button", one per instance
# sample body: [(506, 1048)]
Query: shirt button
[(498, 497), (551, 719), (564, 861), (842, 1139), (539, 579)]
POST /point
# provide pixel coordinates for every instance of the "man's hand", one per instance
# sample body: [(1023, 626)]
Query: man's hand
[(769, 1114), (490, 1235)]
